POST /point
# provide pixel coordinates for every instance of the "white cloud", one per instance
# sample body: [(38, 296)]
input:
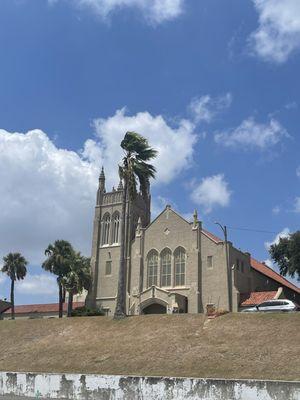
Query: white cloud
[(211, 192), (251, 134), (158, 205), (276, 210), (291, 106), (2, 278), (297, 205), (174, 145), (278, 33), (205, 108), (298, 171), (48, 193), (37, 284), (269, 263), (154, 11), (283, 234)]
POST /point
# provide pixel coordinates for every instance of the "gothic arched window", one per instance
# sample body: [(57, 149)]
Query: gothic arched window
[(152, 266), (105, 227), (179, 264), (116, 227), (165, 268)]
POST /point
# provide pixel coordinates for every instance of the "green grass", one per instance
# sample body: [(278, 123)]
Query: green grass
[(261, 346)]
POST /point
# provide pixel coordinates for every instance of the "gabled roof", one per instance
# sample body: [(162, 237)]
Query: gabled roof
[(254, 298), (42, 308), (214, 238), (168, 207), (269, 272)]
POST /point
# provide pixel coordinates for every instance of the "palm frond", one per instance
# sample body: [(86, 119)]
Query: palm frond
[(15, 266)]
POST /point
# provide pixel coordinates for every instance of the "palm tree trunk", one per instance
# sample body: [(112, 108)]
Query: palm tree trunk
[(60, 309), (70, 303), (64, 295), (120, 311), (12, 298)]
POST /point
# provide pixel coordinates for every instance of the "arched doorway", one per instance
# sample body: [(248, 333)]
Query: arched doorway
[(155, 308)]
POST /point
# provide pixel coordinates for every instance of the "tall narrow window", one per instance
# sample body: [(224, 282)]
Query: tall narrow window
[(242, 266), (108, 267), (105, 229), (209, 262), (152, 265), (116, 227), (179, 261), (165, 268)]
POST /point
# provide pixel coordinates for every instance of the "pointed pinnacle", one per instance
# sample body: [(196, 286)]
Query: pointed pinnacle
[(102, 175), (120, 186)]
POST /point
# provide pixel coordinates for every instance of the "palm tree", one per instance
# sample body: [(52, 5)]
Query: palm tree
[(59, 256), (134, 168), (15, 267), (78, 278)]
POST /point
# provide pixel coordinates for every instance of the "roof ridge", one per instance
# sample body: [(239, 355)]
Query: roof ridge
[(278, 275)]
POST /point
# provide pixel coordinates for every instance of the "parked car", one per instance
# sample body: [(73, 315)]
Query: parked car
[(274, 306)]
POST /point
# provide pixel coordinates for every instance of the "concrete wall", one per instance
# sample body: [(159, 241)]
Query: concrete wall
[(105, 387)]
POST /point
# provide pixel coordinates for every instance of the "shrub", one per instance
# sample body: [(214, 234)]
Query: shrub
[(87, 312)]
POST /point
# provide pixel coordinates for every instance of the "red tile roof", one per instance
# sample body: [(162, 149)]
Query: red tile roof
[(214, 238), (42, 308), (260, 267), (4, 305), (269, 272), (254, 298)]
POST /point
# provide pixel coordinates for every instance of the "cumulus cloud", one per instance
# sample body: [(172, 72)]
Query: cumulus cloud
[(48, 193), (278, 32), (174, 145), (154, 11), (251, 134), (40, 284), (212, 192), (205, 108), (283, 234)]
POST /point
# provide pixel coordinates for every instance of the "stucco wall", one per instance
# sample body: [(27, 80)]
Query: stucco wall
[(170, 231), (105, 387), (214, 280)]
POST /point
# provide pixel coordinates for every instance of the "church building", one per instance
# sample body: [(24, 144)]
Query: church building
[(172, 265)]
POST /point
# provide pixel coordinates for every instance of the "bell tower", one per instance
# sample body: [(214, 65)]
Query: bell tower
[(106, 241)]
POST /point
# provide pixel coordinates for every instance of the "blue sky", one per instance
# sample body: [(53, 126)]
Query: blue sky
[(214, 85)]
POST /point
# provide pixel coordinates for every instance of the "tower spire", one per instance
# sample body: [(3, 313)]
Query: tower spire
[(102, 180)]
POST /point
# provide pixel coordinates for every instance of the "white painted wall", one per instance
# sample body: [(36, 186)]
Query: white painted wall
[(110, 387)]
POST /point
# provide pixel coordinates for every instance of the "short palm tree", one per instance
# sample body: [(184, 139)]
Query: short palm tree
[(77, 279), (15, 267), (135, 168), (59, 257)]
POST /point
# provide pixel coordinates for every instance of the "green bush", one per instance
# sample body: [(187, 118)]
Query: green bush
[(87, 312)]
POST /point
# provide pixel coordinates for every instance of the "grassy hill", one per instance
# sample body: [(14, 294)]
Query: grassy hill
[(265, 346)]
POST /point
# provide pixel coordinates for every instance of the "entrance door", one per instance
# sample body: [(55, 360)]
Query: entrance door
[(155, 308)]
